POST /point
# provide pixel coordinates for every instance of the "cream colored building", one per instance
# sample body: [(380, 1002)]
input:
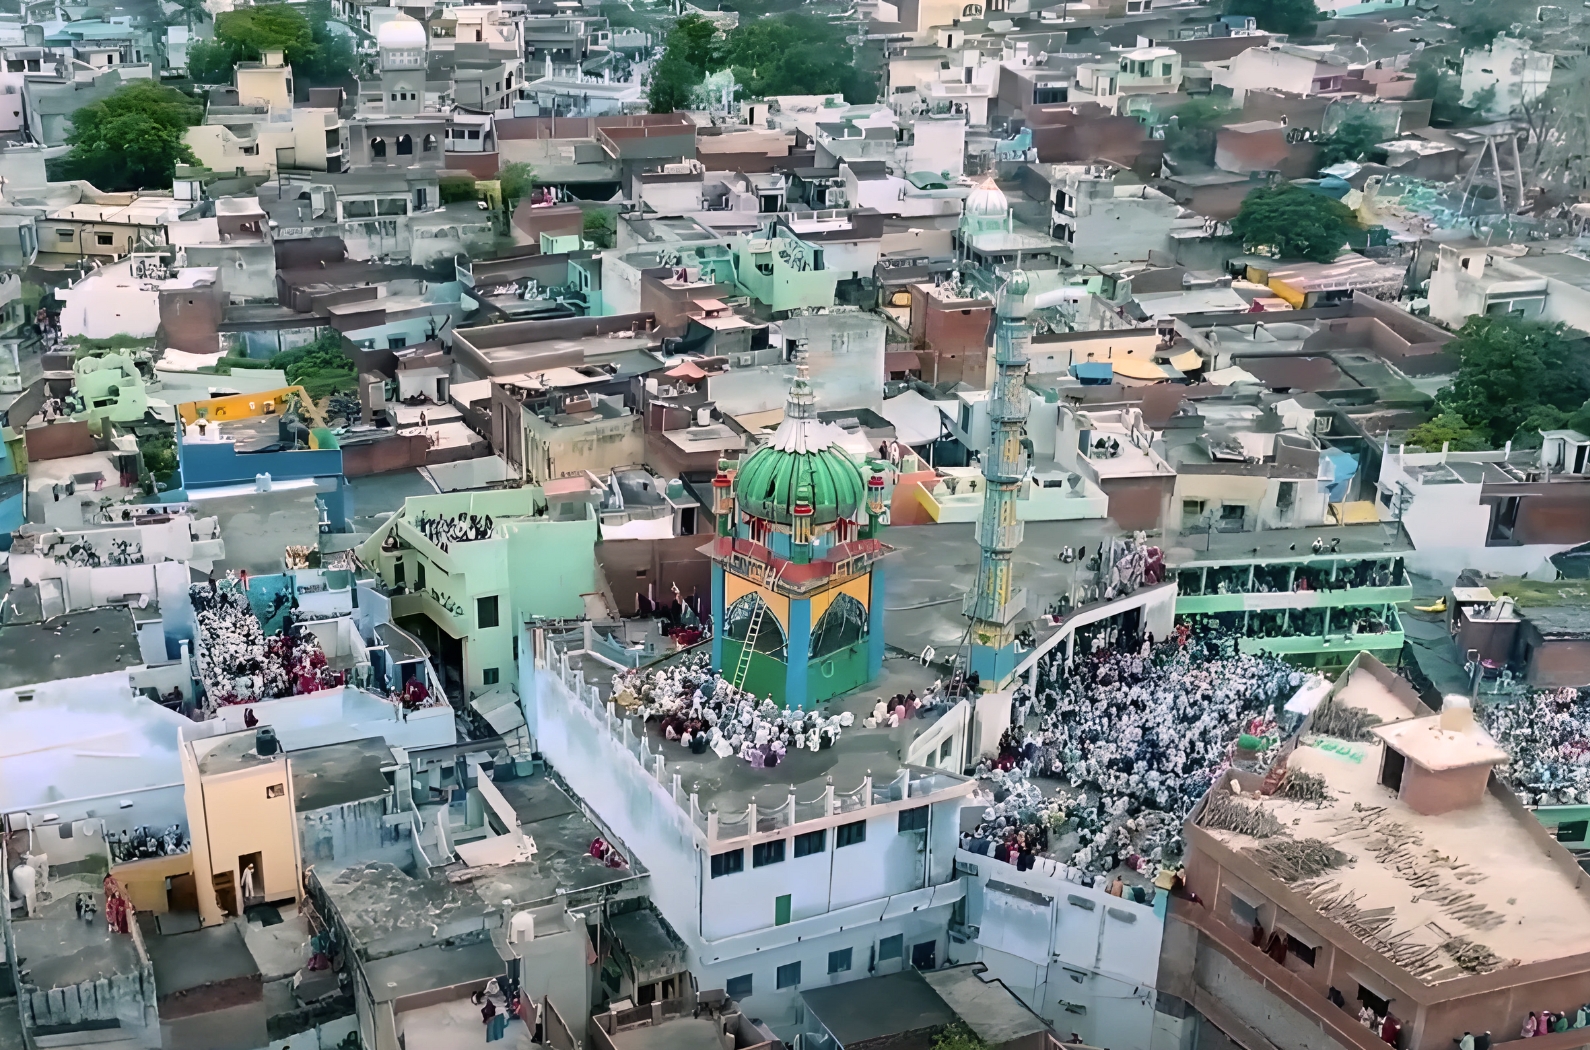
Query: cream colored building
[(242, 822)]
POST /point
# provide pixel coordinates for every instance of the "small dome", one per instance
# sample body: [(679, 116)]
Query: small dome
[(402, 31), (987, 199), (803, 463)]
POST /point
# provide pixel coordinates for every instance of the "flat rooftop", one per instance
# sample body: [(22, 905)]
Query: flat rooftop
[(876, 1007), (679, 1033), (339, 773), (96, 641), (1532, 907), (1374, 540), (59, 949)]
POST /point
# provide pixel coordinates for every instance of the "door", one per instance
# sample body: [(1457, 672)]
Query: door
[(225, 893), (251, 878), (925, 956), (182, 893)]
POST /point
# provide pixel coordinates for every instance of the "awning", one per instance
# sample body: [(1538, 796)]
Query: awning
[(686, 370), (1136, 368), (1358, 512), (1187, 361)]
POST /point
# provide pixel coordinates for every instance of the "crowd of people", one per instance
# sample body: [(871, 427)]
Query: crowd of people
[(1138, 734), (702, 711), (239, 663), (1545, 734)]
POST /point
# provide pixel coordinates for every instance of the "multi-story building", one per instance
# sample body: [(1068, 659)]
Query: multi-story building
[(1424, 898), (1276, 593)]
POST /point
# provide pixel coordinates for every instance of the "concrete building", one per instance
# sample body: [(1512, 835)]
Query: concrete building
[(1103, 223), (468, 601), (1261, 949)]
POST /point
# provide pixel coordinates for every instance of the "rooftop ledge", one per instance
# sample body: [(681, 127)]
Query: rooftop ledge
[(911, 786)]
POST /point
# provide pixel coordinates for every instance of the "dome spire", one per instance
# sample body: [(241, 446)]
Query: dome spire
[(801, 430)]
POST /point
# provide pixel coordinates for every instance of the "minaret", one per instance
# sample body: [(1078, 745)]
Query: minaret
[(994, 604)]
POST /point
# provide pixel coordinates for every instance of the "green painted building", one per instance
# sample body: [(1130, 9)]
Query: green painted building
[(466, 598), (1277, 594)]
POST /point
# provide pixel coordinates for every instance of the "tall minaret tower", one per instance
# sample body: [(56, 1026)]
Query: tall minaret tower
[(994, 603)]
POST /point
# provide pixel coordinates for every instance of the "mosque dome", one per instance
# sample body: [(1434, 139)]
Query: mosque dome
[(803, 463), (401, 32), (988, 200)]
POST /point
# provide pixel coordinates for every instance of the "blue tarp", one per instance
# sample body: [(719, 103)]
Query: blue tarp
[(1093, 373), (1343, 466)]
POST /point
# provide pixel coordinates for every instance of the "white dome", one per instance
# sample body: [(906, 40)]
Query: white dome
[(987, 199), (401, 32)]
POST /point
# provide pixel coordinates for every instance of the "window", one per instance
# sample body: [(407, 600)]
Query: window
[(1379, 1004), (915, 819), (486, 611), (729, 863), (839, 962), (378, 147), (925, 956), (765, 853), (781, 910), (891, 947), (1572, 830), (789, 975), (397, 573), (1245, 913), (1303, 953), (1285, 495), (811, 842), (103, 238), (473, 134), (489, 676), (276, 791), (419, 575), (1164, 69), (842, 625), (738, 987), (946, 748), (850, 834), (405, 146), (64, 235), (428, 144)]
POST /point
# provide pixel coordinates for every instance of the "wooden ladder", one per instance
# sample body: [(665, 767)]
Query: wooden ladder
[(743, 665)]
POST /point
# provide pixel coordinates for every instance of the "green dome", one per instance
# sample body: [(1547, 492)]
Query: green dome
[(803, 462), (770, 482)]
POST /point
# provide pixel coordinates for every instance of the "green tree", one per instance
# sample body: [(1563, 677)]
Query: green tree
[(672, 78), (601, 227), (133, 140), (1292, 17), (1439, 85), (1448, 429), (331, 62), (210, 62), (958, 1036), (1197, 122), (251, 31), (696, 40), (1356, 139), (321, 367), (518, 179), (1509, 369), (1294, 223), (796, 54)]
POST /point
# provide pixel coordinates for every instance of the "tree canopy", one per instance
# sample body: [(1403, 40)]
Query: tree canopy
[(1293, 223), (787, 54), (1447, 429), (1356, 139), (1514, 378), (1292, 17), (1192, 135), (132, 140), (318, 53)]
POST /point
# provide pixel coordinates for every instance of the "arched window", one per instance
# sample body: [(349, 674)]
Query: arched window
[(843, 624), (972, 11), (405, 146), (378, 147), (429, 144), (769, 632)]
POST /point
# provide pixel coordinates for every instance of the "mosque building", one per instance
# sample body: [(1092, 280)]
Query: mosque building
[(795, 580)]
